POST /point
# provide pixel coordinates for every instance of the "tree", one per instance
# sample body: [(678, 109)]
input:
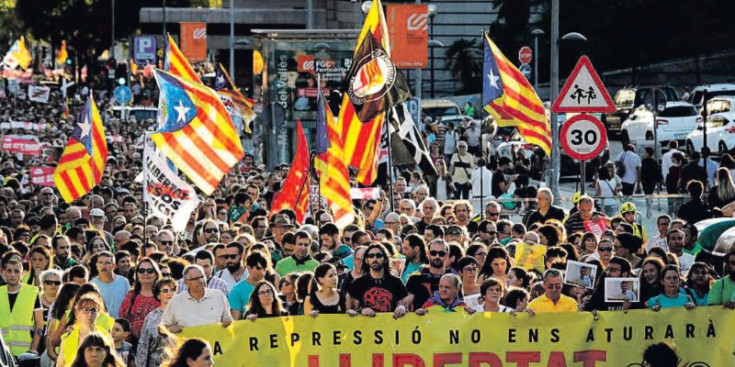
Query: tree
[(11, 27), (464, 62)]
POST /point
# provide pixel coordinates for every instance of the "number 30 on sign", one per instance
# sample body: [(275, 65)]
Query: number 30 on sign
[(583, 137)]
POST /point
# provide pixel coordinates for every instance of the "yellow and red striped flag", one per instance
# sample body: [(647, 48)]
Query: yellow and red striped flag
[(61, 56), (511, 100), (234, 100), (65, 114), (18, 55), (361, 144), (83, 162), (177, 64), (334, 177), (294, 193), (195, 131)]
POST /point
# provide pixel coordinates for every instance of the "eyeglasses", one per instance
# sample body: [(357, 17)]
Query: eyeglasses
[(52, 282), (604, 249), (195, 278), (552, 286), (90, 310), (612, 270), (376, 255), (481, 254), (167, 290), (390, 223), (438, 253), (48, 194), (211, 230), (265, 292), (230, 257), (471, 269), (146, 271)]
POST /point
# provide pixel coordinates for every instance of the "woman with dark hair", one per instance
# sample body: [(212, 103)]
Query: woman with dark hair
[(264, 303), (287, 295), (517, 299), (140, 300), (477, 250), (302, 289), (572, 254), (57, 312), (496, 265), (650, 274), (324, 297), (548, 235), (40, 261), (588, 244), (659, 253), (96, 351), (153, 343), (517, 277), (95, 244), (468, 268), (193, 352), (672, 295), (698, 283), (85, 314), (491, 292)]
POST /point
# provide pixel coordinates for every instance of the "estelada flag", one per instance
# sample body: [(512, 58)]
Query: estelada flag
[(83, 162), (177, 64), (294, 193), (373, 83), (239, 106), (195, 131), (510, 98)]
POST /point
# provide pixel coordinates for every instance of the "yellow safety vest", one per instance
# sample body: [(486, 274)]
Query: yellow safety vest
[(17, 326), (70, 343)]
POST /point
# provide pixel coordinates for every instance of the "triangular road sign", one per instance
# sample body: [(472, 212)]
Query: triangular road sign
[(583, 91)]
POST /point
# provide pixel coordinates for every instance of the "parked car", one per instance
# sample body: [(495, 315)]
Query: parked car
[(673, 123), (140, 112), (696, 97), (720, 134), (721, 104), (627, 100)]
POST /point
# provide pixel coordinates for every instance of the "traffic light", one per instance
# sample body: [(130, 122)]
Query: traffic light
[(122, 73)]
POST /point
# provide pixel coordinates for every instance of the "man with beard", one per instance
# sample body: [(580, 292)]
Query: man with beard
[(723, 289), (425, 281), (62, 248), (239, 297), (210, 231), (260, 227), (234, 272), (414, 248), (329, 235), (376, 290), (300, 261)]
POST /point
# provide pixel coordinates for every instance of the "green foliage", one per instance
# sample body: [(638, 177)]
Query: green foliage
[(464, 62), (11, 27)]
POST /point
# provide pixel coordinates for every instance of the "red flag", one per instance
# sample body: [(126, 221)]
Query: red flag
[(294, 193)]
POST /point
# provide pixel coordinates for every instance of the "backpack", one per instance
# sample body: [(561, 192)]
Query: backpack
[(620, 166)]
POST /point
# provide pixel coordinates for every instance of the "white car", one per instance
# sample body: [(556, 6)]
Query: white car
[(720, 134), (674, 123), (721, 104)]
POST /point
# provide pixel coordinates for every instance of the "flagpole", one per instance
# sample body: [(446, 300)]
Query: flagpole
[(301, 189), (145, 187), (482, 150), (390, 165)]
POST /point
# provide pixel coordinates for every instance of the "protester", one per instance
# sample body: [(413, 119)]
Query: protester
[(96, 351), (153, 341), (193, 352)]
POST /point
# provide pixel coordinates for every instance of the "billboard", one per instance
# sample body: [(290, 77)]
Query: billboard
[(408, 25), (144, 49), (194, 41)]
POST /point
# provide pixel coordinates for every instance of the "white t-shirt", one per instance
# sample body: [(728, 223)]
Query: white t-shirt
[(607, 188), (685, 263), (450, 142), (473, 137), (481, 308), (632, 162), (667, 161), (657, 241)]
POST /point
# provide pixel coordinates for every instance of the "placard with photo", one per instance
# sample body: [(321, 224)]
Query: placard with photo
[(622, 289), (580, 274)]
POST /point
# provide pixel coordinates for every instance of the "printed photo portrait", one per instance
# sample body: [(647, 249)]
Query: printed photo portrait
[(622, 289), (580, 274)]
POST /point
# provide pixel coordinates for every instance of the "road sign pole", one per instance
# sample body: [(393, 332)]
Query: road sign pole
[(583, 174), (554, 89)]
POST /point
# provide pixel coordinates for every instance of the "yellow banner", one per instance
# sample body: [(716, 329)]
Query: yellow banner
[(704, 337)]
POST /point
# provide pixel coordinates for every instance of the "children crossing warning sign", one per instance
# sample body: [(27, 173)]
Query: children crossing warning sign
[(583, 91)]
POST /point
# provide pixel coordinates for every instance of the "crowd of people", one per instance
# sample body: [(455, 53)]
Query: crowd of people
[(98, 282)]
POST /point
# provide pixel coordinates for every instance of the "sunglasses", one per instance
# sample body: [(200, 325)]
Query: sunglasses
[(52, 282), (146, 271), (604, 249), (375, 256), (166, 275), (211, 230), (492, 214), (438, 253), (167, 290), (166, 243), (230, 257)]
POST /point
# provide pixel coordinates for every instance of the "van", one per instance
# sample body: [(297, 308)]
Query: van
[(696, 97), (443, 108)]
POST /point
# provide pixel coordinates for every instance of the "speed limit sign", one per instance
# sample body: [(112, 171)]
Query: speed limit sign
[(583, 137)]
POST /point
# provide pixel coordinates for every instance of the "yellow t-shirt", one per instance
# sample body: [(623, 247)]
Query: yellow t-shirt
[(544, 304)]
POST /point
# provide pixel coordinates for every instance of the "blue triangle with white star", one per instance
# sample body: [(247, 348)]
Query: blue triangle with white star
[(180, 109), (492, 83)]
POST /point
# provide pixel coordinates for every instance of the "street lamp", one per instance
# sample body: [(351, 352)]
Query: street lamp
[(536, 34), (366, 7), (112, 37), (232, 39), (432, 43)]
